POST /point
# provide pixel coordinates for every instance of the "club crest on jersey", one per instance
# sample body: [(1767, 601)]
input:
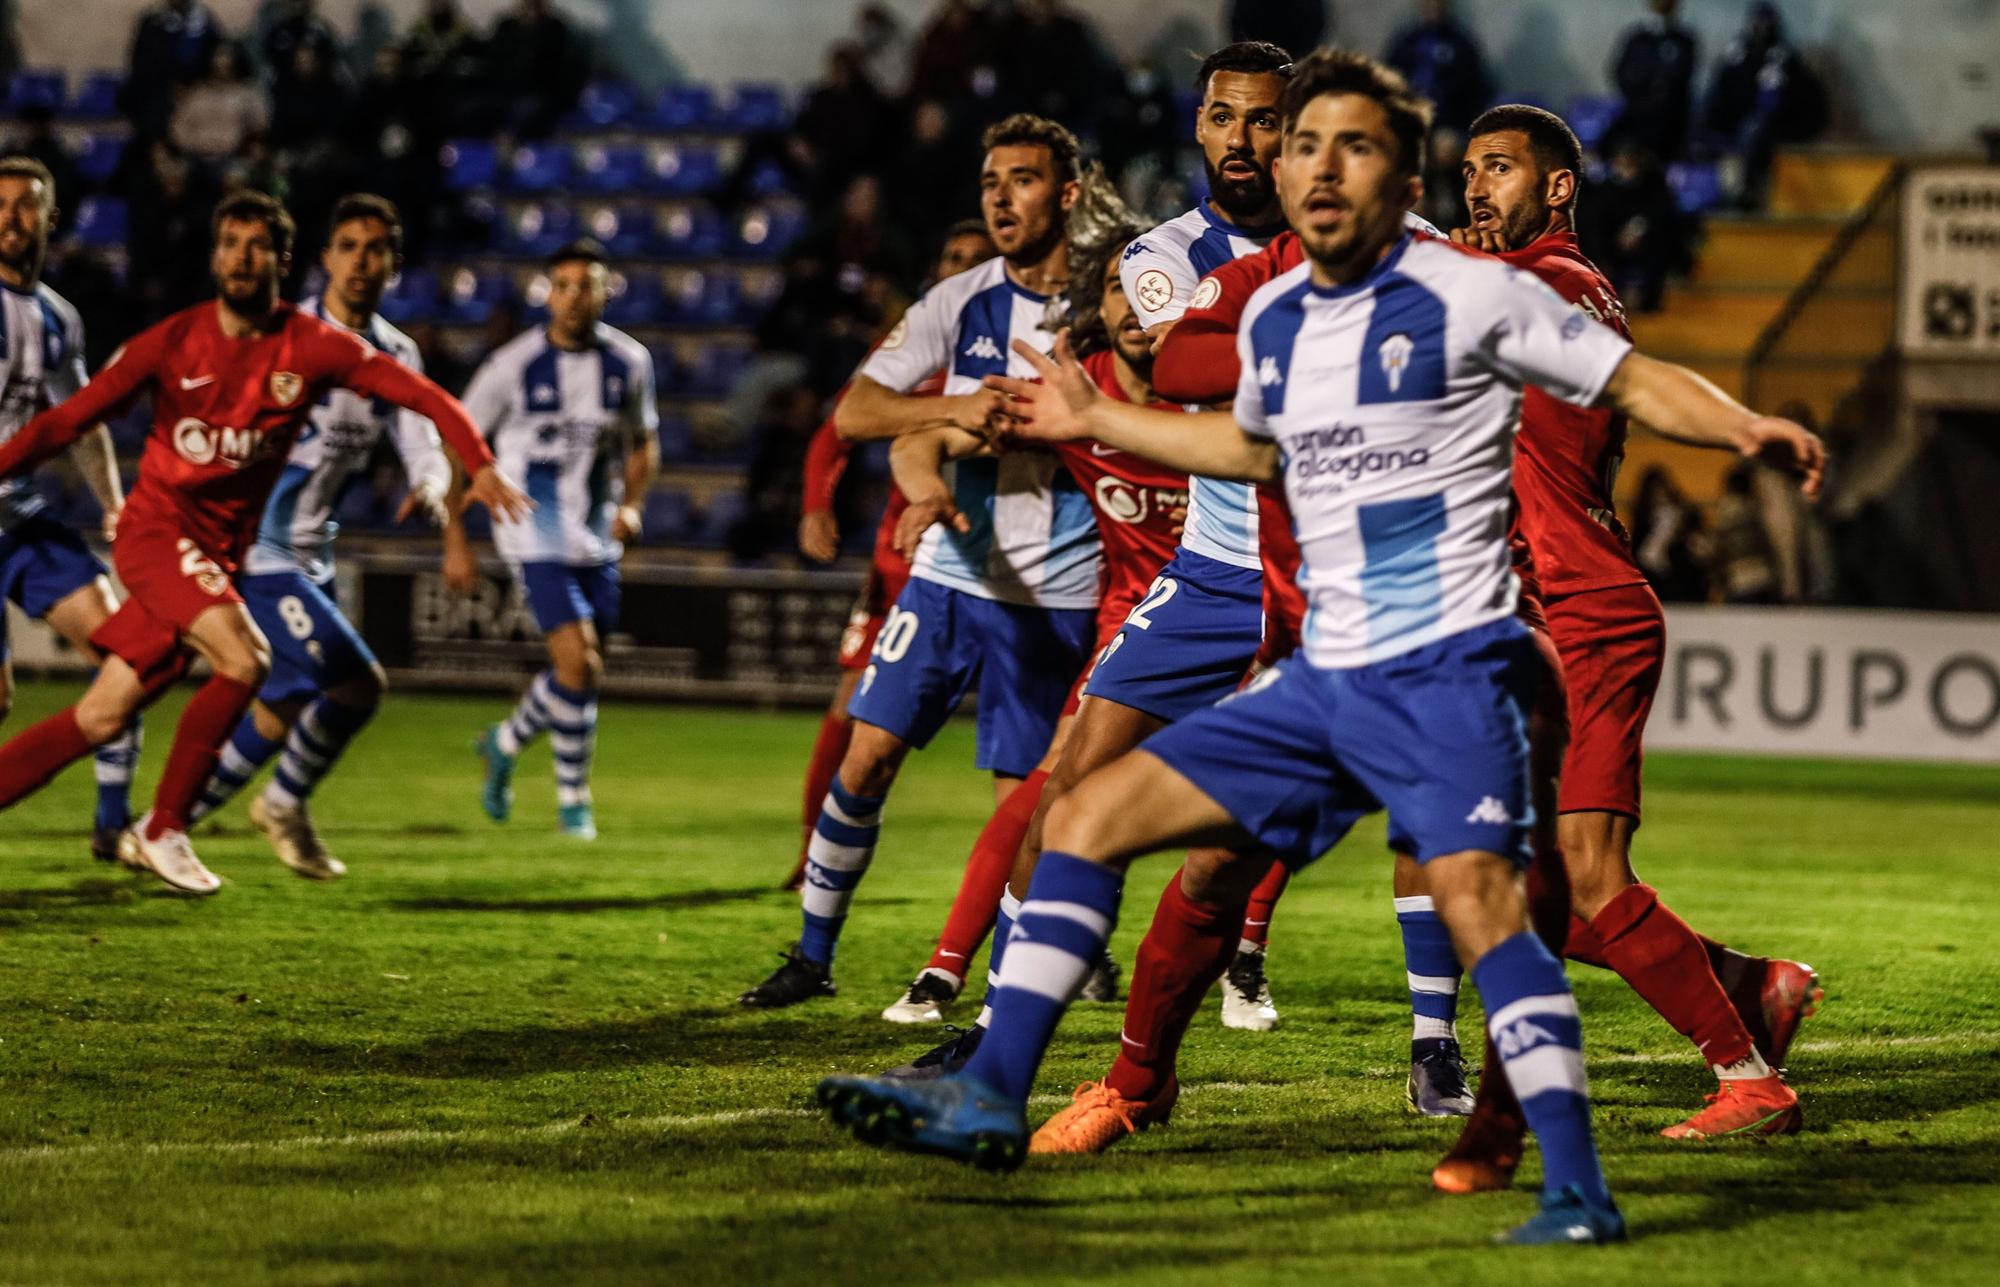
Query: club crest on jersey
[(1206, 294), (983, 347), (1155, 290), (1394, 353), (1267, 372), (897, 334), (286, 387)]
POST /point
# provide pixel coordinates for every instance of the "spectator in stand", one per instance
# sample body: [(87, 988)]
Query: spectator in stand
[(1056, 67), (1289, 24), (1442, 61), (286, 26), (775, 485), (38, 139), (954, 56), (1667, 539), (538, 65), (844, 123), (173, 45), (1745, 562), (1142, 134), (929, 186), (170, 201), (1654, 74), (216, 115), (440, 69), (309, 98), (885, 47), (1638, 234), (1763, 95)]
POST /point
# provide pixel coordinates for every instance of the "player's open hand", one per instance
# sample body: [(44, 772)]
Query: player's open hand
[(496, 491), (1788, 445), (425, 498), (819, 535), (1055, 406), (920, 515)]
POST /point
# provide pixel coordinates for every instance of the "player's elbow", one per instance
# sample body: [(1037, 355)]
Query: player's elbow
[(849, 420)]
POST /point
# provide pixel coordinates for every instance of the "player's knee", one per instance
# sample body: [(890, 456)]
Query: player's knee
[(99, 722), (1076, 823), (1222, 878)]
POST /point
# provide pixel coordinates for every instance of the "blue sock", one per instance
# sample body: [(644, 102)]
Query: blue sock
[(1532, 1018), (1433, 970), (117, 759), (1065, 921), (837, 856), (1003, 926), (312, 747), (246, 751)]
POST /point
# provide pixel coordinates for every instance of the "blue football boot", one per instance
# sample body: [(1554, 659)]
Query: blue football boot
[(577, 822), (497, 797), (958, 1117), (1568, 1216)]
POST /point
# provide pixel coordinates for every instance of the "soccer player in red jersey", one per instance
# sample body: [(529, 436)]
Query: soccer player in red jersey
[(1140, 507), (231, 381), (966, 245)]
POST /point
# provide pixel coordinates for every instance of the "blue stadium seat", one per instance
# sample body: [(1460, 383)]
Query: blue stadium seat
[(667, 372), (609, 170), (537, 228), (667, 517), (682, 107), (767, 230), (768, 179), (716, 369), (675, 170), (604, 104), (641, 303), (469, 164), (755, 109), (723, 512), (1697, 186), (97, 156), (412, 297), (1592, 116), (706, 299), (693, 231), (100, 221), (97, 98), (676, 440), (468, 298), (37, 87), (538, 167), (756, 292)]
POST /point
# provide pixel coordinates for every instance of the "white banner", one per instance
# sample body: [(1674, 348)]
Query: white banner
[(1951, 262), (1828, 682)]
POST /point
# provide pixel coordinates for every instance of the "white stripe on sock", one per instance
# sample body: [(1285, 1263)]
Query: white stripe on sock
[(1435, 984), (1094, 921), (1545, 1068), (1560, 1004), (835, 857), (1044, 970), (1418, 903)]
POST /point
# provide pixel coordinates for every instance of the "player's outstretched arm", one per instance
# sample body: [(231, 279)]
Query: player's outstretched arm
[(96, 458), (871, 410), (386, 378), (51, 431), (1676, 403), (642, 466), (1065, 404), (916, 462)]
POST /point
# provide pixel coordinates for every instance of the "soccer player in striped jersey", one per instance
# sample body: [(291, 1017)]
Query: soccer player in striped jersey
[(1381, 383), (45, 567), (569, 408), (325, 683), (1008, 603)]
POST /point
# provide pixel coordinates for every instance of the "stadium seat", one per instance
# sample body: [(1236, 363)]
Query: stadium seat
[(641, 302), (622, 232), (755, 109), (706, 299), (97, 98), (609, 170), (667, 517), (682, 107), (716, 369), (1592, 116), (536, 228), (411, 297), (722, 513), (668, 373), (755, 293), (538, 167), (768, 179), (100, 221), (604, 104), (692, 231), (43, 87), (1697, 186), (468, 298), (676, 170), (97, 156), (469, 164), (676, 438), (767, 230)]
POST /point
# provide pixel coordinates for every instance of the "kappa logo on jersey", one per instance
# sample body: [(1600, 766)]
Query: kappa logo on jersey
[(1394, 353), (1136, 249), (200, 443), (983, 347), (286, 387), (1490, 810), (1267, 372), (1206, 294), (1523, 1034), (1155, 290)]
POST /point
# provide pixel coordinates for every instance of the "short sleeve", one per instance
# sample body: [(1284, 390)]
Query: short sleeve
[(918, 345), (489, 395), (1532, 336), (1250, 417), (1159, 284)]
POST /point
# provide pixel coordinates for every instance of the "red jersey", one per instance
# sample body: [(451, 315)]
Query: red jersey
[(1566, 458), (1140, 505), (225, 413), (826, 462)]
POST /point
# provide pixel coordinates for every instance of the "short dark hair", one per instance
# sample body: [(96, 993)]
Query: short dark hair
[(1249, 57), (1084, 296), (586, 249), (965, 228), (1025, 129), (1340, 71), (367, 205), (27, 167), (251, 206), (1550, 138)]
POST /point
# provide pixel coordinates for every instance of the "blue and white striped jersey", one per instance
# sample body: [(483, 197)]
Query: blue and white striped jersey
[(1034, 537), (297, 531), (1394, 402), (561, 424), (41, 363)]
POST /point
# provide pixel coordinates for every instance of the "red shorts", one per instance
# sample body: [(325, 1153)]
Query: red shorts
[(886, 578), (1613, 645), (169, 581)]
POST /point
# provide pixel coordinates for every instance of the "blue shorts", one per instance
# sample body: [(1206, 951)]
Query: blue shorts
[(41, 564), (559, 593), (1188, 643), (313, 646), (937, 643), (1438, 736)]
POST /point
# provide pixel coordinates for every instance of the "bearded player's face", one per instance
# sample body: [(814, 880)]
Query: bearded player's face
[(578, 291), (1022, 201), (247, 266), (1121, 322), (25, 207), (1505, 189), (1239, 133)]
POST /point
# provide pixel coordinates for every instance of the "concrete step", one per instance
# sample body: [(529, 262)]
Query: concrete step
[(1713, 322), (1824, 184), (1781, 252)]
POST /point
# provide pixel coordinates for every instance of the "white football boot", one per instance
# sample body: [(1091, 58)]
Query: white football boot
[(290, 830), (170, 857), (1246, 995)]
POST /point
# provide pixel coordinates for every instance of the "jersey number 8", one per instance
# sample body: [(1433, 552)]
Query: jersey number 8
[(292, 610)]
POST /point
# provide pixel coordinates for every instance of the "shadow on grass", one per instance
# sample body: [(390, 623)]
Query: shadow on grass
[(82, 897), (650, 902)]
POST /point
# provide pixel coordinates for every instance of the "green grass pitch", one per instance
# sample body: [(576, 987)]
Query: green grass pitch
[(493, 1055)]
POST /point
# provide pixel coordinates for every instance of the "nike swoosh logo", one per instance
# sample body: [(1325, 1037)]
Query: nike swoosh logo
[(1136, 1045), (197, 382), (1099, 449)]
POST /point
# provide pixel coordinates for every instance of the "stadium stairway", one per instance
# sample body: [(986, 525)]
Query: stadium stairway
[(1747, 269)]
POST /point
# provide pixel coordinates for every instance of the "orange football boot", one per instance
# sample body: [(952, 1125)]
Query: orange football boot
[(1791, 994), (1485, 1157), (1099, 1117), (1743, 1106)]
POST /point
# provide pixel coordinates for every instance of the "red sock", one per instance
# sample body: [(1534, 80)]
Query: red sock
[(829, 749), (39, 752), (1654, 950), (978, 899), (1583, 944), (211, 716), (1263, 901), (1184, 952)]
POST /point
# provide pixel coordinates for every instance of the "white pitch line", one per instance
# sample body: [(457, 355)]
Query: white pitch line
[(728, 1117)]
